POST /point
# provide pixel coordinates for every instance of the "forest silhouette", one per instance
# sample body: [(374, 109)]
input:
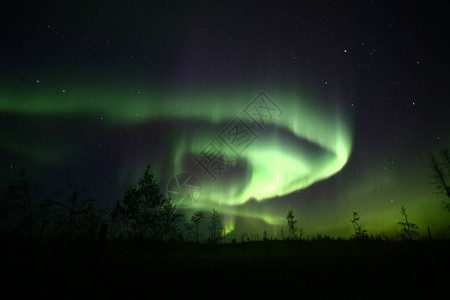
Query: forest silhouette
[(65, 246)]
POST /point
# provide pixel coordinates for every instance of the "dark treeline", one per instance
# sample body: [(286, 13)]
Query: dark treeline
[(145, 214), (65, 246)]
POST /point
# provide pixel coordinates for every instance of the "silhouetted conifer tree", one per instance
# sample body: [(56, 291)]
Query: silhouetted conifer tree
[(295, 232), (146, 212), (168, 221), (215, 228), (76, 215), (193, 226)]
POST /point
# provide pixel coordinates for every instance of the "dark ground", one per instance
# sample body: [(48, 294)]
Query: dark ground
[(272, 269)]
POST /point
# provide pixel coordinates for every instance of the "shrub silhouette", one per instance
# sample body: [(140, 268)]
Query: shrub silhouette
[(360, 232)]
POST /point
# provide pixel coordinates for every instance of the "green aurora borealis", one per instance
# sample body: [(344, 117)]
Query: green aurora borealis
[(306, 143), (91, 94)]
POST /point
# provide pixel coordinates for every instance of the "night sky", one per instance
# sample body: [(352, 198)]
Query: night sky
[(322, 107)]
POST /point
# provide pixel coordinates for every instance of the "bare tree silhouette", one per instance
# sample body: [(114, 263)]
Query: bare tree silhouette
[(409, 230), (441, 177)]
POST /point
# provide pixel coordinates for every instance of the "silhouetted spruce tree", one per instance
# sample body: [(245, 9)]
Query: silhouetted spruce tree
[(244, 237), (139, 207), (193, 226), (145, 211), (168, 221), (295, 232), (409, 230), (441, 177), (215, 228), (76, 215), (360, 232)]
